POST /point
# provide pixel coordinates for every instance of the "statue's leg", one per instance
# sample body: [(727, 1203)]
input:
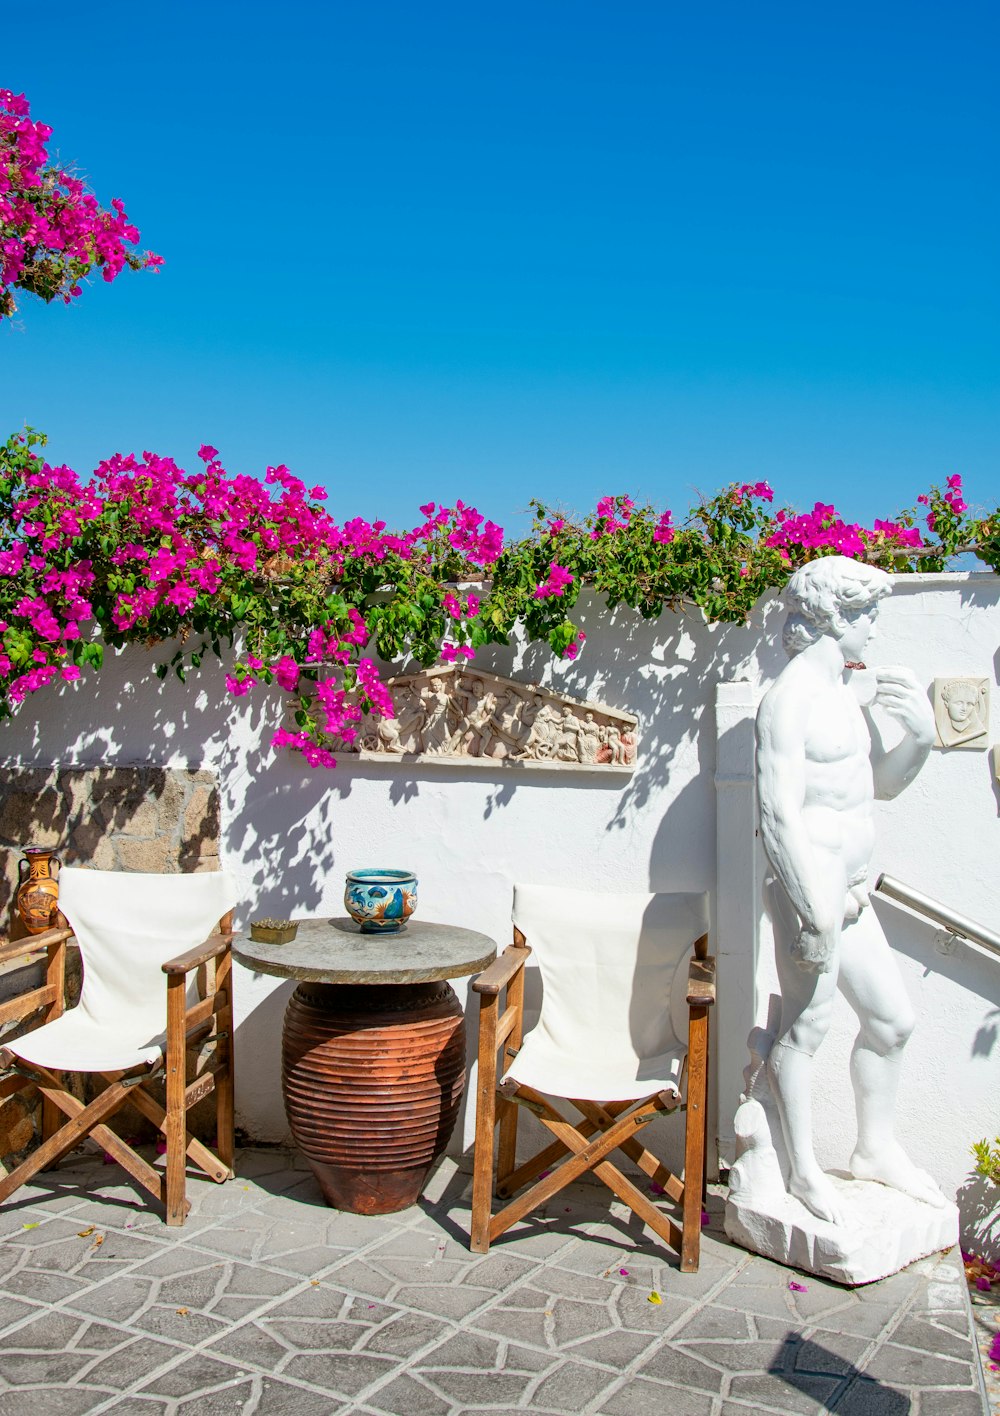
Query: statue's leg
[(872, 985), (806, 1005)]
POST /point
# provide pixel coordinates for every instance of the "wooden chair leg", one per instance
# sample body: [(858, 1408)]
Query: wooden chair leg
[(545, 1159), (65, 1138), (647, 1162), (694, 1142), (55, 977), (587, 1155), (507, 1144), (704, 1144), (198, 1153), (486, 1101), (225, 1080), (176, 1120), (51, 1119), (139, 1169)]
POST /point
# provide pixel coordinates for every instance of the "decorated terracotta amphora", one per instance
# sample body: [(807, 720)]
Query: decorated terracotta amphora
[(38, 892)]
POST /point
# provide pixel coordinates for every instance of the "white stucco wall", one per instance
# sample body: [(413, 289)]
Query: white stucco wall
[(290, 835)]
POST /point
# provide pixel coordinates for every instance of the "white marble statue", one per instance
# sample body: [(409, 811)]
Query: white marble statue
[(821, 764)]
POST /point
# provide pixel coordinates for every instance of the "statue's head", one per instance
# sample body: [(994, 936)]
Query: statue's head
[(826, 596), (961, 698)]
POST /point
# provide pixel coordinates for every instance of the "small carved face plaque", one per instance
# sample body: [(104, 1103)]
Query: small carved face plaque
[(962, 711)]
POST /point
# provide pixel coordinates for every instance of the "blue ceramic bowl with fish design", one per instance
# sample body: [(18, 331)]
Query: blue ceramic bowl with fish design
[(380, 900)]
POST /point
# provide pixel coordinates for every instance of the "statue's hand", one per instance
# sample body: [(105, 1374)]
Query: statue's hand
[(813, 950), (900, 694)]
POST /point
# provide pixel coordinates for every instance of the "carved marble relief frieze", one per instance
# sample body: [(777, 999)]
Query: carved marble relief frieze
[(962, 711), (448, 713)]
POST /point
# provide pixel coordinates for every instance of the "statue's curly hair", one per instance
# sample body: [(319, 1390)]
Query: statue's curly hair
[(821, 594), (953, 688)]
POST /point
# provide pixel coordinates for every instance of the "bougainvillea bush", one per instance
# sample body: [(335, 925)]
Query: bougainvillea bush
[(53, 232), (146, 552)]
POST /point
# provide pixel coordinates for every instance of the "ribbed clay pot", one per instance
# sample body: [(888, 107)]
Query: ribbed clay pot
[(373, 1076)]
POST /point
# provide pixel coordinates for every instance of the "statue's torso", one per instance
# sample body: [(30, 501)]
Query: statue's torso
[(838, 796)]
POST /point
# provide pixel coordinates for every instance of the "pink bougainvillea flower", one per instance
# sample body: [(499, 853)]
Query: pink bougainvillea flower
[(179, 552), (798, 1287), (613, 515), (286, 671), (52, 230), (555, 583)]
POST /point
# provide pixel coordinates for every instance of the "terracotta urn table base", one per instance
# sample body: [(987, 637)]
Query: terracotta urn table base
[(373, 1052)]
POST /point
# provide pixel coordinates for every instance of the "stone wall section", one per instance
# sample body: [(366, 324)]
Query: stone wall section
[(150, 819), (155, 819)]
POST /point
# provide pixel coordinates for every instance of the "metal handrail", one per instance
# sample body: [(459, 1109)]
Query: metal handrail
[(956, 923)]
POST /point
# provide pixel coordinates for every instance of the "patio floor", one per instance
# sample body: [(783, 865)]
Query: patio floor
[(267, 1301)]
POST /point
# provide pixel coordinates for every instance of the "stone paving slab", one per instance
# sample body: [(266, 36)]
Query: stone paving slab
[(266, 1301), (986, 1324)]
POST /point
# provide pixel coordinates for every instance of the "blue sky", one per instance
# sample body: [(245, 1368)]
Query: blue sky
[(552, 249)]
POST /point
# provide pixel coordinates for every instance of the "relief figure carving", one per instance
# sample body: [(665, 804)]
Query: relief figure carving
[(962, 711), (450, 712)]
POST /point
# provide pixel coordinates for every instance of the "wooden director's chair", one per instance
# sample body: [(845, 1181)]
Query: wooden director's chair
[(132, 1025), (622, 1035)]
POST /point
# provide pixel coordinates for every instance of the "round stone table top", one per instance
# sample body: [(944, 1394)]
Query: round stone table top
[(335, 951)]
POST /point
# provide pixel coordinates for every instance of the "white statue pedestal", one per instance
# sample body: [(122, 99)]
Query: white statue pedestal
[(884, 1230)]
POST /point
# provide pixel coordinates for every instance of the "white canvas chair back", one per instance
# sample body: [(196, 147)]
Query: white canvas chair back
[(613, 1022), (127, 926)]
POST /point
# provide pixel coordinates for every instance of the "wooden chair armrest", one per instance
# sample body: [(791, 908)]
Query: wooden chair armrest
[(32, 943), (701, 983), (213, 946), (501, 971)]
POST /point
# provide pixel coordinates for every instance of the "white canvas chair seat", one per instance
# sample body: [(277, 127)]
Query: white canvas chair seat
[(75, 1043), (621, 959), (622, 1035), (157, 979)]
